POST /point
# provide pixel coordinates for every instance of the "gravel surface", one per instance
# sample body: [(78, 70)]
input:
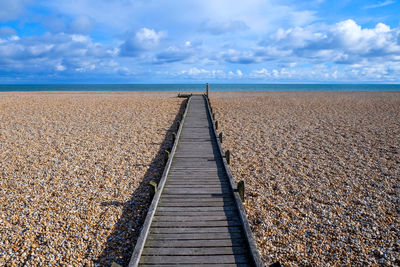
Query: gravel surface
[(74, 173), (321, 171)]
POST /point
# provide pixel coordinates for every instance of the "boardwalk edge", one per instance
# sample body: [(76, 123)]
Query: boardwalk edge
[(255, 255), (137, 252)]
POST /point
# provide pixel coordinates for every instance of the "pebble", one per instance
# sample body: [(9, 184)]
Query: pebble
[(321, 171), (74, 174)]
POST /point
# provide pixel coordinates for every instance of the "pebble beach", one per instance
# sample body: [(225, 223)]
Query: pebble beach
[(74, 173), (321, 171)]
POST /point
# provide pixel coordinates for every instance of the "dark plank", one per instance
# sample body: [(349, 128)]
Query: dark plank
[(217, 259), (196, 213), (195, 204), (195, 251), (197, 186), (190, 218), (189, 191), (177, 209), (193, 230), (195, 243), (200, 265), (197, 200), (231, 222)]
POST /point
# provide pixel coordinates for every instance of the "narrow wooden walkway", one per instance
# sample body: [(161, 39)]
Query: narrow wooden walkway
[(197, 220)]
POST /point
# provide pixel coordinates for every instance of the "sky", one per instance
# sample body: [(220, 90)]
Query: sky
[(198, 41)]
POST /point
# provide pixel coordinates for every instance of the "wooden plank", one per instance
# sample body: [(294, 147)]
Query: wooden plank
[(196, 182), (190, 218), (195, 251), (180, 230), (194, 236), (217, 259), (177, 209), (194, 204), (195, 243), (200, 265), (196, 213), (197, 197), (198, 224), (197, 200), (189, 191), (197, 186)]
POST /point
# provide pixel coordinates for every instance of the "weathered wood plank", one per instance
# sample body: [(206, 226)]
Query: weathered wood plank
[(200, 265), (195, 243), (177, 209), (196, 197), (217, 259), (198, 224), (191, 218), (189, 191), (195, 251), (194, 204), (180, 230), (196, 200), (196, 213)]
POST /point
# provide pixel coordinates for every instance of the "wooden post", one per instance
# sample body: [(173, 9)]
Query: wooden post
[(228, 157), (207, 87), (240, 189), (216, 125), (173, 138), (153, 189), (166, 156), (220, 137)]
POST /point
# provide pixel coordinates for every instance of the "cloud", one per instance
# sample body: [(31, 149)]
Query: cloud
[(345, 42), (381, 4), (143, 40), (82, 25), (218, 28), (7, 31), (262, 73), (53, 52), (172, 54), (239, 57), (10, 10), (201, 73)]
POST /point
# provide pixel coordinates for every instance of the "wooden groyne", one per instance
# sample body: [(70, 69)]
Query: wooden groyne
[(196, 216)]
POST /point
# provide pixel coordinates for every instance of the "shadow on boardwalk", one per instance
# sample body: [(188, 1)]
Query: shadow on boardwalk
[(121, 242)]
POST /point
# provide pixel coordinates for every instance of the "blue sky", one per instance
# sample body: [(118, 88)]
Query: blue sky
[(197, 41)]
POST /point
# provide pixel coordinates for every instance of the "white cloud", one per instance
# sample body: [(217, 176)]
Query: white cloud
[(344, 42), (60, 67), (149, 38), (59, 52), (201, 73), (262, 73), (381, 4), (144, 39)]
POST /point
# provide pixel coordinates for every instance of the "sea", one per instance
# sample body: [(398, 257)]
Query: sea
[(198, 87)]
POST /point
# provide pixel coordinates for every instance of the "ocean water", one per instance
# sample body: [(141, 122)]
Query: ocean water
[(200, 87)]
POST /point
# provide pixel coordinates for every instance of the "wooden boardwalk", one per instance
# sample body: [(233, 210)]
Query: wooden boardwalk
[(196, 217)]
